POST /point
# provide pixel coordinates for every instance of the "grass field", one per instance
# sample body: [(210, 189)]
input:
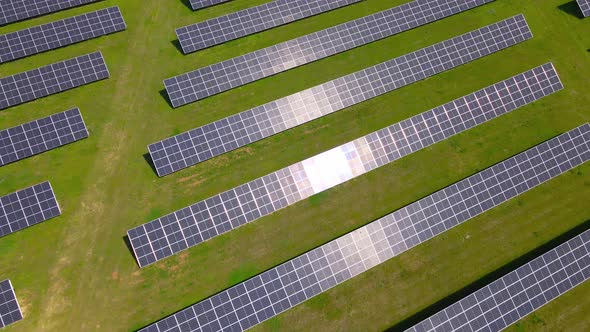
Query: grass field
[(75, 272)]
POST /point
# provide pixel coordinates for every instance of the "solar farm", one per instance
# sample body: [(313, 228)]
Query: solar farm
[(294, 165)]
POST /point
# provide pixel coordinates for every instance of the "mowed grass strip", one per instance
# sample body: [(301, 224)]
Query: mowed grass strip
[(76, 272)]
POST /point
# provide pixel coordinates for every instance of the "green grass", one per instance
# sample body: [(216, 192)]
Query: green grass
[(75, 273)]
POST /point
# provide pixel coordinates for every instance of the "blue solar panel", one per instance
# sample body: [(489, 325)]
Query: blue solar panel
[(20, 44), (55, 78), (301, 278), (17, 10), (203, 143), (9, 308), (198, 4), (41, 135), (27, 207), (518, 293), (229, 74), (584, 7), (252, 20), (222, 213)]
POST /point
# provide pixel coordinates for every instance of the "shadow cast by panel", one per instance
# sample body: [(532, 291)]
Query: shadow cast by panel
[(489, 278), (130, 248), (150, 162), (164, 95), (187, 3), (571, 8)]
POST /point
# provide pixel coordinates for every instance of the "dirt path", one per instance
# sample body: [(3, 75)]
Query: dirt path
[(97, 202)]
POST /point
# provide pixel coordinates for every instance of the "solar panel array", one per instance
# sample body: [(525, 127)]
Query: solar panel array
[(20, 44), (55, 78), (27, 207), (249, 21), (280, 288), (9, 309), (584, 7), (18, 10), (198, 4), (41, 135), (519, 293), (203, 143), (229, 74), (192, 225)]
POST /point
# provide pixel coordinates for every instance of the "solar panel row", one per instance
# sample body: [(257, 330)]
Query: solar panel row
[(229, 74), (584, 7), (41, 135), (20, 44), (283, 287), (517, 294), (198, 4), (27, 207), (206, 142), (249, 21), (9, 308), (18, 10), (51, 79), (219, 214)]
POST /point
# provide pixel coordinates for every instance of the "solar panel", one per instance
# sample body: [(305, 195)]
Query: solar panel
[(252, 20), (219, 214), (41, 135), (9, 309), (60, 33), (584, 7), (206, 142), (280, 288), (18, 10), (518, 293), (27, 207), (55, 78), (229, 74), (198, 4)]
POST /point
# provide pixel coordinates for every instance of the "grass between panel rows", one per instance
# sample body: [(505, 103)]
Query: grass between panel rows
[(76, 273)]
